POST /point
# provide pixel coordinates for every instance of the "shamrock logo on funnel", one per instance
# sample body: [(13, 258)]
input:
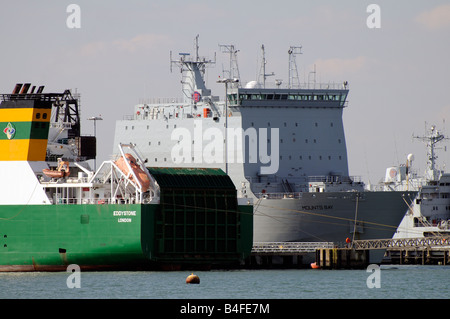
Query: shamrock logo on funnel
[(10, 131)]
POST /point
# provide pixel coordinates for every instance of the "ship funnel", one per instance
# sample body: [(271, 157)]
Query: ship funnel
[(24, 130), (25, 88), (17, 88)]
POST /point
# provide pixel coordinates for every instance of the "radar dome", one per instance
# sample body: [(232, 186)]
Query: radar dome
[(252, 85), (410, 157)]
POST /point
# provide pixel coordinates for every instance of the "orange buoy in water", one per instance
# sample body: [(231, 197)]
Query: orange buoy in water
[(192, 279)]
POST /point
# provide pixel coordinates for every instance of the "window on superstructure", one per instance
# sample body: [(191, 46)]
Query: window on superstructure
[(331, 124), (38, 116), (156, 159), (132, 127), (159, 143), (253, 124), (281, 140), (285, 124), (316, 124)]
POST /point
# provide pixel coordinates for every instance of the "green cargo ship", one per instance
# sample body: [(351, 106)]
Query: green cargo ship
[(121, 216)]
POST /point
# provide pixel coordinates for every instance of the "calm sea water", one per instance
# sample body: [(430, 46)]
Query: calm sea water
[(396, 282)]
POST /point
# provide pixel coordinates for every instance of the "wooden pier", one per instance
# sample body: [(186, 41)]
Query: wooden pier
[(355, 255), (269, 255)]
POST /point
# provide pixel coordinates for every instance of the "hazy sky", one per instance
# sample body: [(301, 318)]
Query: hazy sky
[(398, 74)]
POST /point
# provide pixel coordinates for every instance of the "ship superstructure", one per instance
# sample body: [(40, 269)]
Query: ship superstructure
[(283, 146)]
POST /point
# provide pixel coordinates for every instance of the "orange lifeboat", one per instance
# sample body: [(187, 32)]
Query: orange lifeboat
[(61, 171), (140, 174), (315, 266)]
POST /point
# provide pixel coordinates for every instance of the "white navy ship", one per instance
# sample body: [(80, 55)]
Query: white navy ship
[(283, 145), (429, 214)]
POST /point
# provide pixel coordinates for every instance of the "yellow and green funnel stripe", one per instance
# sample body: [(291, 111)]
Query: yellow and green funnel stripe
[(24, 130)]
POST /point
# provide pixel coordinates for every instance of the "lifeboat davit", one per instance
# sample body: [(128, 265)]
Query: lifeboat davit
[(61, 171), (141, 176)]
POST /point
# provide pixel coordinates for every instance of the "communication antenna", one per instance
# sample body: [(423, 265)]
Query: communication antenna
[(294, 81)]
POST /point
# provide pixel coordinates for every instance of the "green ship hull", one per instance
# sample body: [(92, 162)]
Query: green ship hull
[(119, 236), (122, 216)]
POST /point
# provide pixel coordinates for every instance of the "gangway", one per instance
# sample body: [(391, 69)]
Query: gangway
[(403, 243)]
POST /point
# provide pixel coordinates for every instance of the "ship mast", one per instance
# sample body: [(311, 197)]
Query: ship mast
[(234, 69), (192, 75), (262, 73), (431, 140), (294, 81)]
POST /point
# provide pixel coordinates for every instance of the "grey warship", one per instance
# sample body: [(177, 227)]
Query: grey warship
[(283, 145)]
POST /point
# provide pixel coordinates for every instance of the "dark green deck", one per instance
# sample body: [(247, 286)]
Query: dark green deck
[(199, 217)]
